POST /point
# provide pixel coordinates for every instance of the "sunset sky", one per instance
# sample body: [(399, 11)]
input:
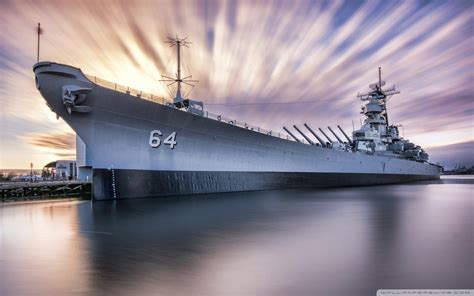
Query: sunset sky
[(245, 54)]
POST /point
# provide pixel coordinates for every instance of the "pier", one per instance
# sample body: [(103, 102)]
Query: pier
[(17, 191)]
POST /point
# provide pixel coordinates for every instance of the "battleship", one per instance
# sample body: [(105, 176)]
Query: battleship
[(134, 144)]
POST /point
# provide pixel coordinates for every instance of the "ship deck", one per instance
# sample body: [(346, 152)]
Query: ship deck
[(163, 101)]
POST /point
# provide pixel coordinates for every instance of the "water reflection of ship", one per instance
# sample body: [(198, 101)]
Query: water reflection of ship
[(166, 239), (170, 246)]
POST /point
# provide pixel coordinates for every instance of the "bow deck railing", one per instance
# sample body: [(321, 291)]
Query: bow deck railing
[(128, 90), (161, 100)]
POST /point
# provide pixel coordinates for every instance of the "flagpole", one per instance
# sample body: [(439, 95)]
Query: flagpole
[(38, 50)]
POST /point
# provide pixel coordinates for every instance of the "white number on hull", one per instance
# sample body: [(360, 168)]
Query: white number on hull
[(171, 140), (155, 140)]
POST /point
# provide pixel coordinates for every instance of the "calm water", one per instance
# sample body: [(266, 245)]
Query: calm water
[(348, 241)]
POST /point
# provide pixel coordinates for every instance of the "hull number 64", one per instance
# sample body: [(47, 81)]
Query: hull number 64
[(155, 140)]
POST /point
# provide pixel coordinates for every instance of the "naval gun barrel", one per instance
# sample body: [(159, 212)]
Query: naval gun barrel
[(335, 135), (304, 136), (329, 139), (345, 135), (291, 134), (314, 134)]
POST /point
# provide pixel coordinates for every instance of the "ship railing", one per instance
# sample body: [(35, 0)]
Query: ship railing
[(128, 90), (161, 100), (245, 125)]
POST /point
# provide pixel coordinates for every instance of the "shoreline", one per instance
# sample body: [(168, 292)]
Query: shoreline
[(46, 190), (36, 201)]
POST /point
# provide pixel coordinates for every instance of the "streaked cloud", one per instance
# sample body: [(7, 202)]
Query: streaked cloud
[(254, 51), (453, 155), (62, 145), (65, 141)]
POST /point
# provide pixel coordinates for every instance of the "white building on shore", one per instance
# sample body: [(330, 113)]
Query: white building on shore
[(62, 169)]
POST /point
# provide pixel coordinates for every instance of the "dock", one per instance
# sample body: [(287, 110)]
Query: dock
[(16, 191)]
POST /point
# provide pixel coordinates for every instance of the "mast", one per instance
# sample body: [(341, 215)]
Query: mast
[(380, 95), (178, 42), (385, 98), (380, 77), (39, 31), (178, 47)]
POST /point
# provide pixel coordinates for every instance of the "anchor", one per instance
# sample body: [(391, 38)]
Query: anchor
[(73, 96)]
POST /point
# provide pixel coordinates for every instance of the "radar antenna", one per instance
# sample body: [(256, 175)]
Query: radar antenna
[(380, 94), (178, 42)]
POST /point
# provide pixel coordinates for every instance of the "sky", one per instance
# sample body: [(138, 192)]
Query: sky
[(268, 63)]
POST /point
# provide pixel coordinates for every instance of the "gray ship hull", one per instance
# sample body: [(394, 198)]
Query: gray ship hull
[(140, 183), (207, 156)]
